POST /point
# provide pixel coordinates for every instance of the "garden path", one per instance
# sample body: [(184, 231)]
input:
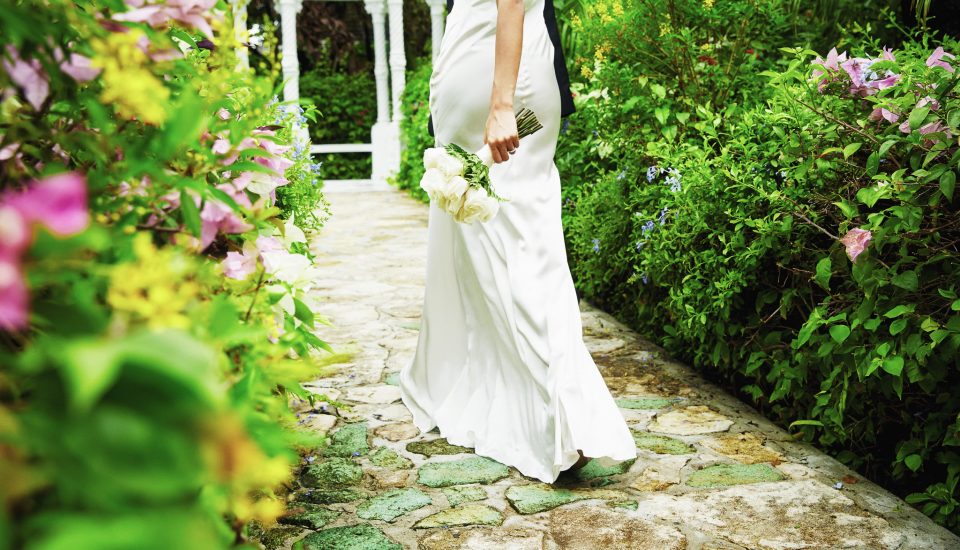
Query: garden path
[(710, 472)]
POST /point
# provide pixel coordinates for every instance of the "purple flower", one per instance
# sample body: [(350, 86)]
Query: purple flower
[(663, 215), (882, 113), (644, 278), (936, 59), (639, 245), (596, 245), (648, 227), (652, 173), (355, 453), (621, 175)]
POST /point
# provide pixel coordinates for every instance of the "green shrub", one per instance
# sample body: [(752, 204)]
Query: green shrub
[(727, 249), (414, 135), (153, 296), (348, 109)]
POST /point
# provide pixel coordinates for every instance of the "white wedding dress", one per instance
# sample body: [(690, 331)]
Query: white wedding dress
[(500, 364)]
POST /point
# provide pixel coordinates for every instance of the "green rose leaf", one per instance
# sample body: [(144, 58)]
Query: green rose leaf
[(839, 333)]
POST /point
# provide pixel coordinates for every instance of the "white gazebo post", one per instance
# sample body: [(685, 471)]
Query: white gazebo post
[(398, 77), (239, 8), (383, 138), (436, 26), (289, 63)]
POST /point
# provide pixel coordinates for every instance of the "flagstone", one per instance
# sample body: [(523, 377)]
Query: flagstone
[(330, 496), (465, 514), (534, 498), (724, 475), (350, 440), (474, 469), (332, 473), (397, 431), (692, 420), (594, 469), (661, 444), (743, 447), (309, 515), (392, 504), (352, 537), (388, 458), (380, 394), (592, 528), (389, 479), (482, 539), (644, 403), (434, 447), (459, 494)]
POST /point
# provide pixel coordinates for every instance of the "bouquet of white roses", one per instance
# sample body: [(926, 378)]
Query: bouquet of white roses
[(459, 182)]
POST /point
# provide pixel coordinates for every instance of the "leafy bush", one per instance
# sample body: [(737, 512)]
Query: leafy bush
[(414, 134), (802, 249), (348, 113), (153, 308)]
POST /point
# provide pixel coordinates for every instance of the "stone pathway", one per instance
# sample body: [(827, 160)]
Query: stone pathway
[(710, 473)]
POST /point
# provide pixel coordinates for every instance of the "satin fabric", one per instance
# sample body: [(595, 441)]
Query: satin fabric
[(500, 364)]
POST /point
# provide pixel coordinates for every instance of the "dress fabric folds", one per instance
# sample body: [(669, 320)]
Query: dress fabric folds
[(500, 364)]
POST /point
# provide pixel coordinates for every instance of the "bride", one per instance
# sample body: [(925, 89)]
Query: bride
[(500, 364)]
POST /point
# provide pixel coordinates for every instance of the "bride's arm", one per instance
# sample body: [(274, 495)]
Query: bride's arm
[(501, 131)]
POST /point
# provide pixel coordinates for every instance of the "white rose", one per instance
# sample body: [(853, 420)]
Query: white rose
[(491, 207), (432, 156), (450, 165), (432, 182), (452, 191), (476, 206)]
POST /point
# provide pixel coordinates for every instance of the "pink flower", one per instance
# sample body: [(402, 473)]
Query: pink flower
[(887, 54), (856, 241), (219, 218), (936, 59), (78, 68), (239, 265), (929, 101), (221, 146), (57, 202), (190, 13), (933, 127), (224, 114), (13, 295), (882, 113), (28, 76)]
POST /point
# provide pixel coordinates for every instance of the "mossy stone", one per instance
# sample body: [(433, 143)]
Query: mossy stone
[(330, 496), (350, 440), (661, 444), (594, 470), (464, 493), (474, 469), (436, 447), (352, 537), (333, 473), (468, 514), (310, 515), (644, 403), (725, 475), (392, 504), (625, 504), (272, 539), (388, 458), (532, 499)]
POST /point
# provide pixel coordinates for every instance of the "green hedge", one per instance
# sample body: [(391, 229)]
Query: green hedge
[(413, 129), (715, 226)]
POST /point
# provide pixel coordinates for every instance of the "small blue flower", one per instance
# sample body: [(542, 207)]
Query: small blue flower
[(596, 134), (566, 124), (356, 453), (663, 215), (621, 175), (310, 459), (648, 227), (652, 173), (639, 245), (596, 245), (644, 278)]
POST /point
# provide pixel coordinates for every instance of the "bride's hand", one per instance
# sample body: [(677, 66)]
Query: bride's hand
[(501, 133)]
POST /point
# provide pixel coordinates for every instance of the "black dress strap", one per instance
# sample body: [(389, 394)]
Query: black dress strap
[(559, 64)]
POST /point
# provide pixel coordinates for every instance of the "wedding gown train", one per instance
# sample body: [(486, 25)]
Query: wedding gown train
[(500, 364)]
